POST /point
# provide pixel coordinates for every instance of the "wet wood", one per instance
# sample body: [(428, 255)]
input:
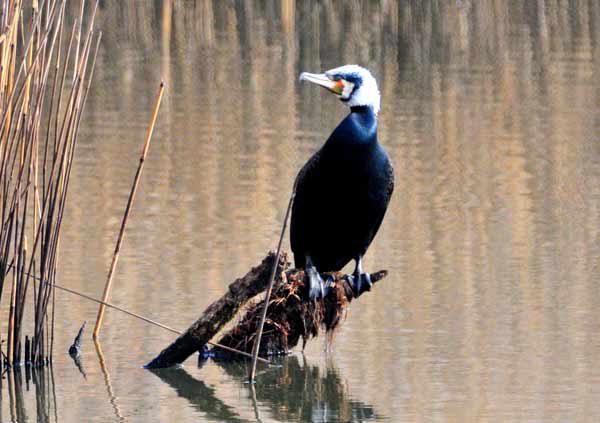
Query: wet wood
[(292, 317), (220, 312)]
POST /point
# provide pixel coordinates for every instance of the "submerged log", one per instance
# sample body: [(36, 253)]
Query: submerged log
[(219, 313), (290, 316)]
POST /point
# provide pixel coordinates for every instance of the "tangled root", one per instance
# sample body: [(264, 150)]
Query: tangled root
[(291, 316)]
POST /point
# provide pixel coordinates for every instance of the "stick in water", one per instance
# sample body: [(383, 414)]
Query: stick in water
[(137, 316), (136, 180), (75, 349), (261, 325)]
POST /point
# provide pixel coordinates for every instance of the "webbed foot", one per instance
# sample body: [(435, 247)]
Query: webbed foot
[(317, 287), (359, 281)]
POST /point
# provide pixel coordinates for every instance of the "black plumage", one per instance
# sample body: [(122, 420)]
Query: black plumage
[(342, 193)]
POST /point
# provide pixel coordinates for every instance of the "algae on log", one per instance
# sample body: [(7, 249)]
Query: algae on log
[(291, 316), (220, 312)]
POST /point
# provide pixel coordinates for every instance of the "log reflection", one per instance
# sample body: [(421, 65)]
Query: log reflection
[(201, 396), (299, 391), (296, 391)]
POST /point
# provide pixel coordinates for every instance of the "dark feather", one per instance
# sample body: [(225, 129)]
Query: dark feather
[(342, 193)]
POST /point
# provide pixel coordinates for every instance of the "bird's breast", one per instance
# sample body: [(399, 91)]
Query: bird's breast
[(352, 172)]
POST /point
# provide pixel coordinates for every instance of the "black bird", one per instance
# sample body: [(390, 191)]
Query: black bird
[(343, 191)]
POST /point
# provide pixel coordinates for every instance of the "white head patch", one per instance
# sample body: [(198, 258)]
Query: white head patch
[(360, 88)]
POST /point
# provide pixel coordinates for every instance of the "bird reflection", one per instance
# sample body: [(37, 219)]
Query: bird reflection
[(293, 391)]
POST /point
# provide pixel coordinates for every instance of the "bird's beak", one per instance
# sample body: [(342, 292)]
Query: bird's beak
[(336, 87)]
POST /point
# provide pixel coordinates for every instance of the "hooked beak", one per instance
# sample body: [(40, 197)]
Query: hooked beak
[(336, 87)]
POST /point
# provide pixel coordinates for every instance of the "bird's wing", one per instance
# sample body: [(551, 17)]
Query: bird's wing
[(390, 190), (305, 175), (390, 187), (301, 209), (379, 212)]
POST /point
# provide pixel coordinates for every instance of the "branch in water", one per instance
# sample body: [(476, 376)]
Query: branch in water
[(291, 316)]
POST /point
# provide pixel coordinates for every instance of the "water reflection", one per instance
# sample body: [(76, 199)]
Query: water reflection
[(77, 361), (295, 391), (42, 381), (114, 402), (200, 396), (490, 113)]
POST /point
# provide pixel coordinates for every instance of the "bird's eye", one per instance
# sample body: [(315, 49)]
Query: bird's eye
[(336, 78)]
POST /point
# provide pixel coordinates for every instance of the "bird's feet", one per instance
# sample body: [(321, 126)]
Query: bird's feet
[(360, 282), (317, 287)]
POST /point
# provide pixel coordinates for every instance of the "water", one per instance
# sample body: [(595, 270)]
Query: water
[(491, 115)]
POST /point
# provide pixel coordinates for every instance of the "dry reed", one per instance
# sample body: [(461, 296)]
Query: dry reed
[(44, 83), (136, 181), (261, 324)]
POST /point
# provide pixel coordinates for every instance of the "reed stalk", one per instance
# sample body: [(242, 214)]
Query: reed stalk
[(140, 317), (261, 325), (132, 193), (38, 138)]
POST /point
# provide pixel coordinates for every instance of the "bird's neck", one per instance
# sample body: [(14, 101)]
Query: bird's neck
[(355, 135), (363, 110), (365, 122)]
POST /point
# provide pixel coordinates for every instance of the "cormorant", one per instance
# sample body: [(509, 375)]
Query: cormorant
[(343, 190)]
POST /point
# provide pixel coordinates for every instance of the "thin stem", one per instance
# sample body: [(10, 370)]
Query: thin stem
[(139, 316), (256, 346), (136, 180)]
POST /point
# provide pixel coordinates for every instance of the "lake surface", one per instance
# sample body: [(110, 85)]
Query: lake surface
[(491, 116)]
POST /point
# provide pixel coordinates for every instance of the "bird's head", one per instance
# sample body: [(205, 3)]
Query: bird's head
[(352, 84)]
